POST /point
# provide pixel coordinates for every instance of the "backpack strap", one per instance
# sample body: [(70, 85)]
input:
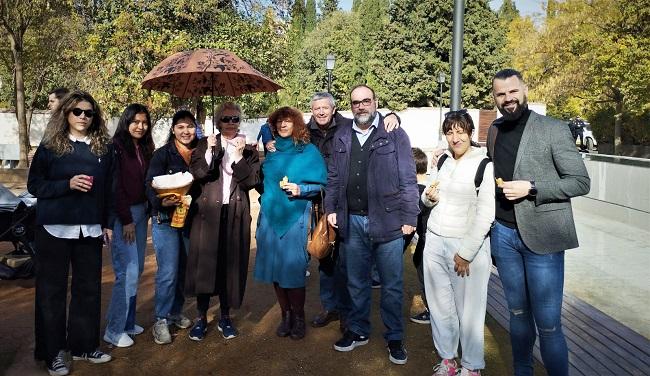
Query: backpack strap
[(480, 171), (492, 137), (442, 160)]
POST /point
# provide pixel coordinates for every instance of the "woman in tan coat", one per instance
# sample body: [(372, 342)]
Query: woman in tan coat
[(225, 169)]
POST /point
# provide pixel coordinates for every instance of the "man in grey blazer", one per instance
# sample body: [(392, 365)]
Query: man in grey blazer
[(538, 170)]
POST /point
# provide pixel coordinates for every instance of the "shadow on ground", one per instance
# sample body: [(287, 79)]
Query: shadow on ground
[(257, 351)]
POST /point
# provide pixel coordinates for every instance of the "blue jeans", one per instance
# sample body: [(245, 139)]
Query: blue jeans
[(128, 264), (333, 283), (171, 255), (533, 284), (358, 253)]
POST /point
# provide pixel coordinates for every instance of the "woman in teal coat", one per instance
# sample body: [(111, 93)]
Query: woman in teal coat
[(293, 174)]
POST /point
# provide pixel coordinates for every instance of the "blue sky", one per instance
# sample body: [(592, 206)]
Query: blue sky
[(526, 7)]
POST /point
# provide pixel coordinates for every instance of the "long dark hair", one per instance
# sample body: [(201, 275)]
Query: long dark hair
[(178, 116), (56, 133), (123, 136)]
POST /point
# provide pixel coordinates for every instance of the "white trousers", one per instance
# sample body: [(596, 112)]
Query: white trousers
[(457, 304)]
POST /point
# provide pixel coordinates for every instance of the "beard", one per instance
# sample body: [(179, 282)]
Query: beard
[(518, 111), (365, 118)]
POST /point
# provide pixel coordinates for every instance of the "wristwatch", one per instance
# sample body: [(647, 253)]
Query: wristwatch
[(533, 189)]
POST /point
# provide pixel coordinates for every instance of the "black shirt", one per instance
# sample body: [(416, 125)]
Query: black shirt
[(506, 146)]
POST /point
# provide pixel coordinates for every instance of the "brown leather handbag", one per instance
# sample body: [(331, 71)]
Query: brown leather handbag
[(321, 236)]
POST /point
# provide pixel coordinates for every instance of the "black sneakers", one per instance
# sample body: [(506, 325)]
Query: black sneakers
[(349, 341), (57, 366), (396, 352)]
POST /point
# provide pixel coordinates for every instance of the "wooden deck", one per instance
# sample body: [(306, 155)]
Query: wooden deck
[(598, 344)]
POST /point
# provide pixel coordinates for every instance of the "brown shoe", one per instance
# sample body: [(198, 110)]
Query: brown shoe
[(324, 318), (285, 325), (298, 329)]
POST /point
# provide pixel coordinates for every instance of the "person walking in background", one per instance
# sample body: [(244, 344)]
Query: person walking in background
[(293, 174), (133, 147), (71, 176), (170, 243), (55, 96), (456, 255), (224, 169), (539, 170), (372, 198), (421, 167), (265, 135)]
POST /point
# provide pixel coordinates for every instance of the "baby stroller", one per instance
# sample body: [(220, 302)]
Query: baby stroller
[(17, 224)]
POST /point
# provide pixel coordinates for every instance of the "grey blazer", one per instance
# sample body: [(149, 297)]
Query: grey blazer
[(547, 154)]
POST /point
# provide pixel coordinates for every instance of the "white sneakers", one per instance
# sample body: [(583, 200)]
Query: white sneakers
[(123, 341), (137, 329)]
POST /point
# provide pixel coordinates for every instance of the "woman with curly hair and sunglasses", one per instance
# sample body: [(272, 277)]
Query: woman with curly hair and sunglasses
[(293, 174), (133, 150), (71, 175)]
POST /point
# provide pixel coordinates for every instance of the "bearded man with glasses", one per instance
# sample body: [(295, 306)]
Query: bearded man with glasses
[(372, 198)]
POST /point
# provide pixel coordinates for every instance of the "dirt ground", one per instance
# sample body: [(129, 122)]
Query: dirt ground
[(257, 351)]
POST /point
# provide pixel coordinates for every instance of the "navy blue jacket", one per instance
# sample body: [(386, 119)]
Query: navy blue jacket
[(49, 180), (165, 161), (392, 185)]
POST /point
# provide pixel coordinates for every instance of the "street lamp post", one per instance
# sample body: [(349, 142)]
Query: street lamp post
[(330, 60), (441, 80)]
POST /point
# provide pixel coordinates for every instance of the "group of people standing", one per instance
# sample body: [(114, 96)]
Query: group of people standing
[(374, 191)]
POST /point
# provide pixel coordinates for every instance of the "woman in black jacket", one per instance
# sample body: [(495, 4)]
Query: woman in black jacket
[(71, 177), (170, 243)]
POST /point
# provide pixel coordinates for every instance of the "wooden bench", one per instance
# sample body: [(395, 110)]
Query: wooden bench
[(598, 344)]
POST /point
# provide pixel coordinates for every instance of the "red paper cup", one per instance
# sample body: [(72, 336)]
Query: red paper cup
[(90, 180)]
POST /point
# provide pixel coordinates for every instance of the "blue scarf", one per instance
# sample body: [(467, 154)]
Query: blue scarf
[(302, 164)]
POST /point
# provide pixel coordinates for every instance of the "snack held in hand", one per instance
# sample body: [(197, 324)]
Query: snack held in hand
[(499, 182), (284, 181), (180, 213)]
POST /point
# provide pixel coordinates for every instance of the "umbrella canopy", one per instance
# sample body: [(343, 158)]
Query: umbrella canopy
[(207, 72)]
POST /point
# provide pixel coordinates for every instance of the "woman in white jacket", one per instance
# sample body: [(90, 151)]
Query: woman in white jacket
[(457, 252)]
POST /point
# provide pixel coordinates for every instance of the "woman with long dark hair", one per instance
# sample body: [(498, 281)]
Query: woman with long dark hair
[(225, 169), (293, 174), (133, 147), (170, 243), (71, 176)]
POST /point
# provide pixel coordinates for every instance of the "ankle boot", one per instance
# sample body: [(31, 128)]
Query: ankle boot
[(285, 325), (298, 328)]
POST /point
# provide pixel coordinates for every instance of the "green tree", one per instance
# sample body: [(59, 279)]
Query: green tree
[(508, 11), (125, 43), (17, 18), (591, 56), (328, 7), (332, 35), (310, 15), (417, 44)]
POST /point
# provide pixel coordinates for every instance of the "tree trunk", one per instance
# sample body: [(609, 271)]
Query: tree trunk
[(21, 116), (618, 121)]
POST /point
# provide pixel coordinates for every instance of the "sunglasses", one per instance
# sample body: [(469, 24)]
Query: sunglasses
[(460, 112), (230, 119), (78, 111)]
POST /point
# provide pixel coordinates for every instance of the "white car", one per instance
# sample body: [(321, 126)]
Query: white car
[(588, 137)]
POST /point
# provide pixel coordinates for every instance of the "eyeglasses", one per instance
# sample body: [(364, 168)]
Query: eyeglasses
[(460, 112), (78, 111), (365, 102), (230, 119)]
